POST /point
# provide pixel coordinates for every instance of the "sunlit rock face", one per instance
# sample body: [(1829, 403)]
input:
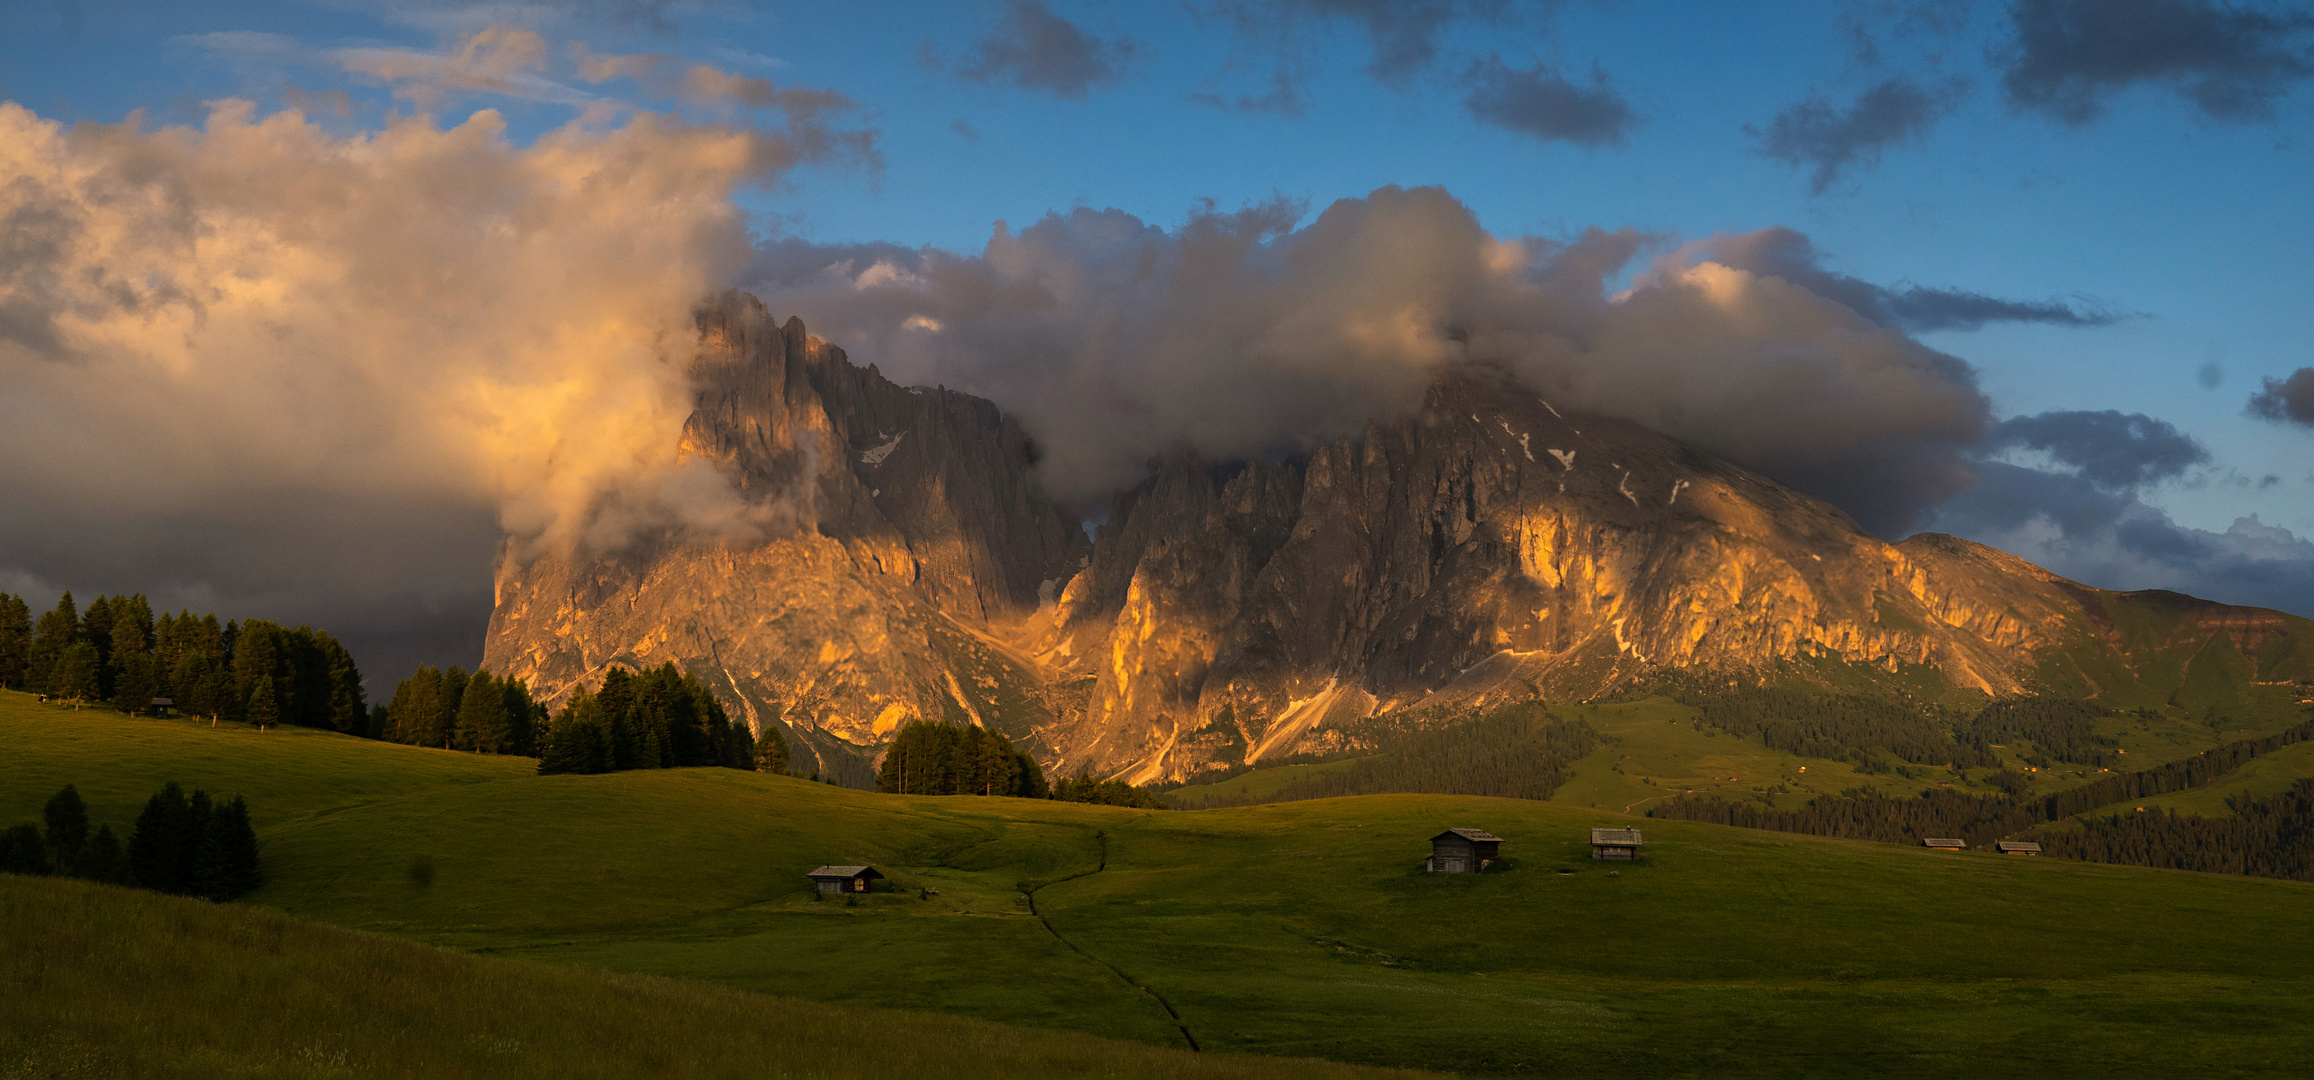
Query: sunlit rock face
[(1483, 548), (902, 522)]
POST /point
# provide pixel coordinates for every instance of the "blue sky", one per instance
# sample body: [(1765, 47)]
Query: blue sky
[(2158, 183)]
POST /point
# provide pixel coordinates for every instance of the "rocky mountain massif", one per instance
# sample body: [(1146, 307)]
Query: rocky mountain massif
[(1485, 548)]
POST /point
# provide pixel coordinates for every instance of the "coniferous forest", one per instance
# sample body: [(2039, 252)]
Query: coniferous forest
[(189, 846), (660, 719), (2267, 837), (118, 653), (931, 758), (456, 711)]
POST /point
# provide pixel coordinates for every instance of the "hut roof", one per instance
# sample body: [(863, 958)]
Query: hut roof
[(1473, 835), (845, 872), (171, 702), (1942, 842), (1615, 837), (2019, 845)]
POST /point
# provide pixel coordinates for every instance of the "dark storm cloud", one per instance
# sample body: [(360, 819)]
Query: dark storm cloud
[(2110, 539), (1790, 255), (2288, 400), (1816, 132), (2112, 451), (1540, 102), (1034, 49), (2231, 60), (1238, 332)]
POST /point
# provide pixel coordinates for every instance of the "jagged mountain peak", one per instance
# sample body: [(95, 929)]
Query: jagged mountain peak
[(1484, 546)]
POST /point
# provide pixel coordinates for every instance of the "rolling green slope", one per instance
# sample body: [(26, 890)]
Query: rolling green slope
[(1302, 928), (106, 982)]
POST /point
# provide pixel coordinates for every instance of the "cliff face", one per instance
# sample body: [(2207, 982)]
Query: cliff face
[(1486, 547), (905, 522)]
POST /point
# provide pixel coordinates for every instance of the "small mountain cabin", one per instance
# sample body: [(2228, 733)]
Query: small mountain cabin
[(2018, 847), (1462, 851), (1621, 845), (843, 879), (162, 706), (1943, 843)]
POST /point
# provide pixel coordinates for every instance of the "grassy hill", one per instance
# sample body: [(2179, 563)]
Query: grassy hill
[(1301, 928), (113, 982)]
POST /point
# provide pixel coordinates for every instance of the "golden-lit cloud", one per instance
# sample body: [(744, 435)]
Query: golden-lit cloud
[(229, 327)]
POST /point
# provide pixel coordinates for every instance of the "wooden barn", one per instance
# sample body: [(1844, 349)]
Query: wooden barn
[(1944, 843), (843, 879), (2018, 847), (1621, 845), (1462, 851)]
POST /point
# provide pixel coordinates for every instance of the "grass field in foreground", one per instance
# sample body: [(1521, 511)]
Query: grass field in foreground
[(106, 982), (1302, 928)]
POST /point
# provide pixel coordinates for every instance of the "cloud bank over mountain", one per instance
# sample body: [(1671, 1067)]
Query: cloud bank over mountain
[(258, 361)]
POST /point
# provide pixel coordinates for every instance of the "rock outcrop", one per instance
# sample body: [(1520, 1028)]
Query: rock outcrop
[(1485, 547)]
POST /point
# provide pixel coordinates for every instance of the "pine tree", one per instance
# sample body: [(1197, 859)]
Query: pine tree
[(15, 641), (482, 719), (196, 865), (237, 849), (159, 849), (349, 710), (264, 704), (77, 675), (771, 754), (102, 858), (410, 718), (524, 717), (257, 661), (444, 725), (66, 816), (57, 631), (96, 631), (137, 683)]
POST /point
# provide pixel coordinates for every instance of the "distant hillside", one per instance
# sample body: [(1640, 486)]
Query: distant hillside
[(1486, 550)]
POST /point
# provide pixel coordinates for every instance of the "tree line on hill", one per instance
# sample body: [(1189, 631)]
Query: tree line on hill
[(1811, 721), (1981, 819), (456, 711), (2272, 837), (189, 846), (929, 757), (1519, 752), (117, 652), (659, 719)]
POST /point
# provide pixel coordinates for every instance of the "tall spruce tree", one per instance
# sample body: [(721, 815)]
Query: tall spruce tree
[(102, 858), (771, 754), (160, 848), (483, 725), (264, 704), (15, 641), (66, 817), (445, 722), (347, 709), (58, 630), (77, 676)]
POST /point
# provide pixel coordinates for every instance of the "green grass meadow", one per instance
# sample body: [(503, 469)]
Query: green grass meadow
[(1300, 929)]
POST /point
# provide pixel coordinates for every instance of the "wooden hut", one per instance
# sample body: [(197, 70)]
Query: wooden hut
[(1943, 843), (1621, 845), (2018, 847), (1462, 851), (162, 706), (843, 879)]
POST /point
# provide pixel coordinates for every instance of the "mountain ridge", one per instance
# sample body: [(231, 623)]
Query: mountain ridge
[(1482, 549)]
